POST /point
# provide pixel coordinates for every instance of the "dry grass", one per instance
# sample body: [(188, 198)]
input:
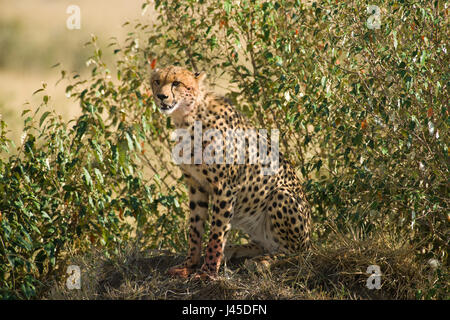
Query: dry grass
[(326, 272)]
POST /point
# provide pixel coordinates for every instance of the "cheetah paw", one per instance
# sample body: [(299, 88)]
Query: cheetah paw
[(181, 271), (205, 276)]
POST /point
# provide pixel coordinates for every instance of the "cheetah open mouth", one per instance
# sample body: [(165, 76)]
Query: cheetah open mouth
[(167, 108)]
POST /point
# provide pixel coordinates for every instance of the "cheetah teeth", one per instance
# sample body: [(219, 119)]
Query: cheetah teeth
[(168, 109)]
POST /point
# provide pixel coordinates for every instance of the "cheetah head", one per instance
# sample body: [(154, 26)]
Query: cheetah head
[(176, 90)]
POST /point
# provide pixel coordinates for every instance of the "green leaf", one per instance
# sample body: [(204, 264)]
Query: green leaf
[(25, 112), (37, 91), (43, 117), (87, 177), (227, 6), (130, 141), (99, 175), (278, 61)]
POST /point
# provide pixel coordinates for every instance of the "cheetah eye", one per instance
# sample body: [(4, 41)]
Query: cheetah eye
[(156, 82), (176, 83)]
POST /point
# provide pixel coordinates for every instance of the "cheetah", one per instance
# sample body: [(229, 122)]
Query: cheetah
[(271, 208)]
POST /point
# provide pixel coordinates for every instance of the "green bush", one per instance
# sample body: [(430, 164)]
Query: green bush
[(362, 113), (74, 185)]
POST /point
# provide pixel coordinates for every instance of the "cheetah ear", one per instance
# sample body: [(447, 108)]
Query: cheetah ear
[(153, 73), (200, 76)]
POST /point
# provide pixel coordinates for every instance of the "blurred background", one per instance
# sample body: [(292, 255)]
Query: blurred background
[(34, 37)]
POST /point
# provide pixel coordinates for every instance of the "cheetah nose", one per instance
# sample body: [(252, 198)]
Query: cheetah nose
[(161, 96)]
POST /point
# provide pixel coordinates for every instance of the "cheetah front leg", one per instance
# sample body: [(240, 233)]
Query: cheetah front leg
[(198, 203), (220, 226)]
